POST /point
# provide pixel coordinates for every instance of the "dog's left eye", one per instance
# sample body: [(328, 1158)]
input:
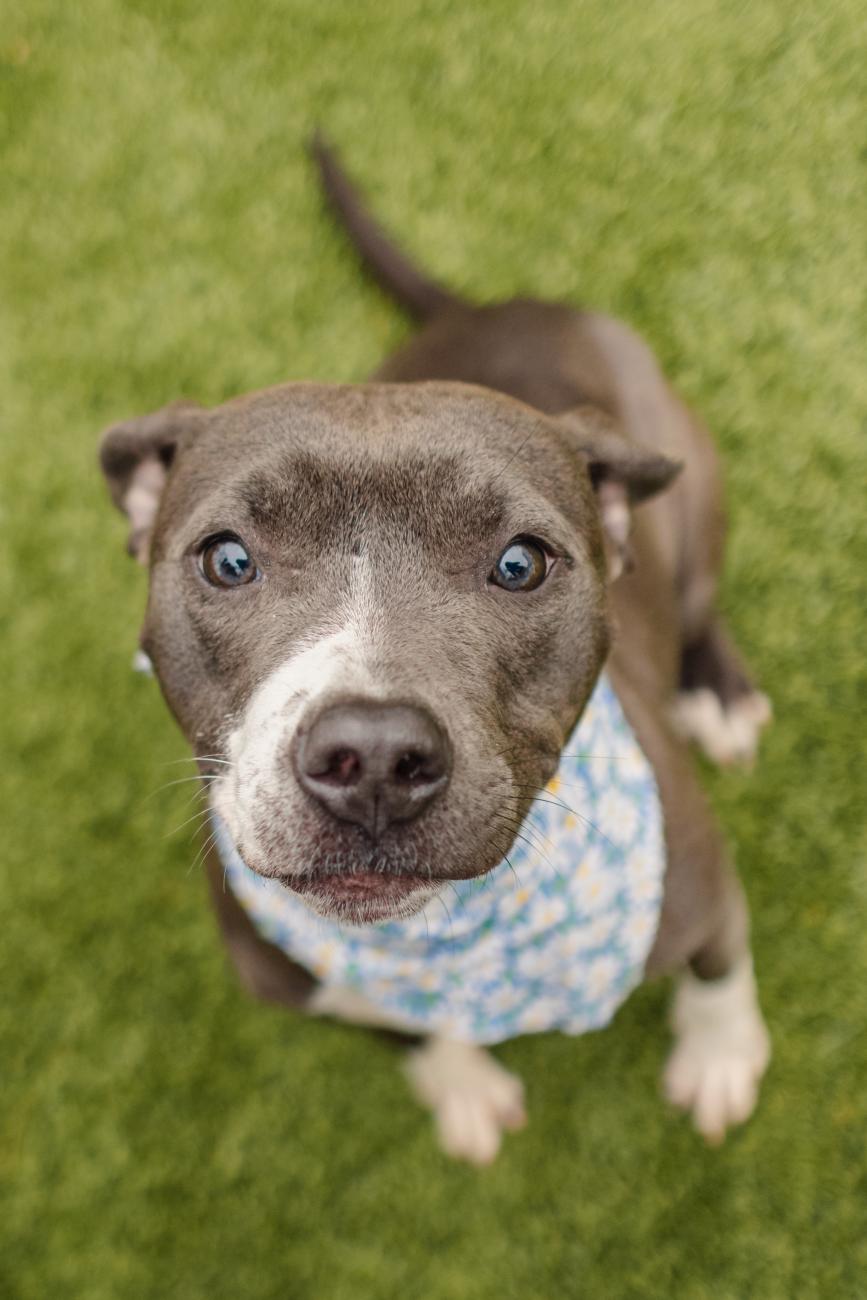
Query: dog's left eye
[(522, 566), (226, 562)]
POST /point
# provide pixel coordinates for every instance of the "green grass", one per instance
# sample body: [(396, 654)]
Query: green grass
[(694, 166)]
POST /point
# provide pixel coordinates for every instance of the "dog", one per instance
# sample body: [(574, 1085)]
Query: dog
[(383, 615)]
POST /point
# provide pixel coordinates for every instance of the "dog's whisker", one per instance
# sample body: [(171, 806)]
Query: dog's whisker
[(453, 887), (534, 848), (196, 817), (514, 820), (202, 853), (559, 803), (443, 904), (567, 785), (546, 859), (526, 831), (517, 831), (581, 817), (197, 794), (513, 871), (202, 778), (529, 825)]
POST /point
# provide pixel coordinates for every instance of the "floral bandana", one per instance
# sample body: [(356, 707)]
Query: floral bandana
[(554, 938)]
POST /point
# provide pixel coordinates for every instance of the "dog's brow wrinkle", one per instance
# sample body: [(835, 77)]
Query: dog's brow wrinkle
[(328, 500)]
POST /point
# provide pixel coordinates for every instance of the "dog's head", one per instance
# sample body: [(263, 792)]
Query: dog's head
[(376, 612)]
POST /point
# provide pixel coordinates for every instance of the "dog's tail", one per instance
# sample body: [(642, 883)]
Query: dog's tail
[(420, 295)]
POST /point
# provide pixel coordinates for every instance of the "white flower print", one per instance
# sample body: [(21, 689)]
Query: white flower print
[(618, 816), (533, 961), (506, 997), (601, 973)]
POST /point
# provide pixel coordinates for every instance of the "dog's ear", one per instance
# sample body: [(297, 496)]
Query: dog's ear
[(136, 457), (623, 474)]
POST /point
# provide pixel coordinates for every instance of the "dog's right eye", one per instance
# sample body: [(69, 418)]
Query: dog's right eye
[(523, 566), (226, 562)]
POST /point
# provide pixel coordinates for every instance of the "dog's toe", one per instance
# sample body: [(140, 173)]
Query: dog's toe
[(729, 735), (468, 1128), (719, 1092), (722, 1051), (473, 1099)]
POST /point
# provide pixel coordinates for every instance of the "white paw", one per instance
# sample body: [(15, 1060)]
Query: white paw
[(473, 1099), (727, 735), (721, 1051)]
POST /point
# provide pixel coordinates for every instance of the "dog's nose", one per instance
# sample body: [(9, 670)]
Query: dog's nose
[(373, 764)]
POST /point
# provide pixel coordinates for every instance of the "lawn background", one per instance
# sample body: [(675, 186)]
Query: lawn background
[(695, 166)]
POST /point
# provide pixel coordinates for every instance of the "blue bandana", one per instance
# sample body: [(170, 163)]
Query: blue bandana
[(555, 938)]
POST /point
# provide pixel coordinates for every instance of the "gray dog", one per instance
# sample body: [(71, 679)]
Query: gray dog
[(380, 614)]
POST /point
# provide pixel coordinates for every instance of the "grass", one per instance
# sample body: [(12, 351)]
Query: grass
[(696, 167)]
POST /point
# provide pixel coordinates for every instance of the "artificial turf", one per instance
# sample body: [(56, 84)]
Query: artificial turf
[(694, 166)]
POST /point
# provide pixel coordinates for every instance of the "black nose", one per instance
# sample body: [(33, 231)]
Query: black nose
[(373, 764)]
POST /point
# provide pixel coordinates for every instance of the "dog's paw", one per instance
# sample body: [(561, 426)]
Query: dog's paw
[(473, 1099), (728, 735), (721, 1051)]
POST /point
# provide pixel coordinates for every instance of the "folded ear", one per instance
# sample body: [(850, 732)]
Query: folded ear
[(623, 474), (136, 457)]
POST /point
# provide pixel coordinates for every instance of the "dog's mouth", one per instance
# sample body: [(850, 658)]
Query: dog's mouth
[(365, 896)]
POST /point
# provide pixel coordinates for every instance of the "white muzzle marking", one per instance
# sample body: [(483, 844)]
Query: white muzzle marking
[(256, 780)]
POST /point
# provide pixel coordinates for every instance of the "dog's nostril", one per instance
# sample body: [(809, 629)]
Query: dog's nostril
[(339, 767), (413, 768)]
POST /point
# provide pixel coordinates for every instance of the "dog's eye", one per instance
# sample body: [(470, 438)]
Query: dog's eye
[(522, 566), (226, 562)]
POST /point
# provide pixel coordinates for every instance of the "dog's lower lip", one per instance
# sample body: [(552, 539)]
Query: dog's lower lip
[(356, 884)]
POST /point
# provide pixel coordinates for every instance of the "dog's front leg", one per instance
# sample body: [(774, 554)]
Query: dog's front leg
[(474, 1100), (721, 1050), (722, 1047)]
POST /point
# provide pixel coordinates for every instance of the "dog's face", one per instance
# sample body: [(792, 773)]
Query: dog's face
[(377, 613)]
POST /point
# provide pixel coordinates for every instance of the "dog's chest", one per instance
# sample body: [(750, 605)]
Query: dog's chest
[(555, 937)]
